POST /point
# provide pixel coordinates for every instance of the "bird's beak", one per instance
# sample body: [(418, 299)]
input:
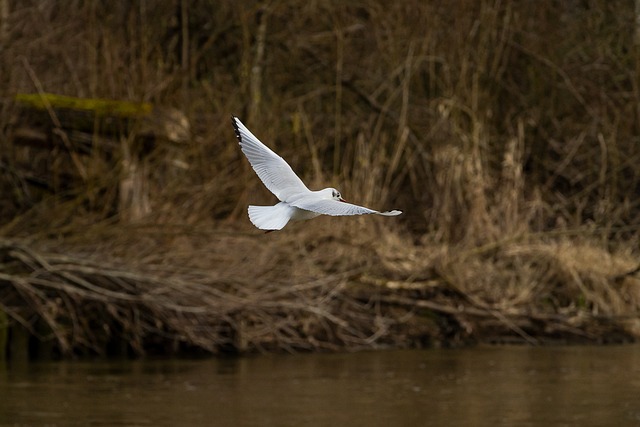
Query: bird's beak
[(343, 200)]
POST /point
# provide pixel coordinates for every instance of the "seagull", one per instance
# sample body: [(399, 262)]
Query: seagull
[(297, 202)]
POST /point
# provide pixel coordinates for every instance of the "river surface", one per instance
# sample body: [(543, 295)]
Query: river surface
[(486, 386)]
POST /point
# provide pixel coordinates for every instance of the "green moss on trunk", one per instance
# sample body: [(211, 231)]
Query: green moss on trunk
[(100, 107)]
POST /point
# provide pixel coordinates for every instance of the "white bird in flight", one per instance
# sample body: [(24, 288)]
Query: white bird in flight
[(297, 202)]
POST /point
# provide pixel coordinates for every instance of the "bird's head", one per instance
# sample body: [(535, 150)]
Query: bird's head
[(332, 193)]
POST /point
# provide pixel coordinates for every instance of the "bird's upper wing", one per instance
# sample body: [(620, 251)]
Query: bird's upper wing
[(337, 208), (273, 170)]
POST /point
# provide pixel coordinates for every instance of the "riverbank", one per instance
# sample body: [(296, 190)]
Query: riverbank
[(506, 132), (333, 285)]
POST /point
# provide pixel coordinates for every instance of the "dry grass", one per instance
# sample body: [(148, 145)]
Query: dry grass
[(507, 132), (90, 305)]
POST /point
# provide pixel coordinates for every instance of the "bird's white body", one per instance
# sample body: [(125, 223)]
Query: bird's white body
[(297, 202)]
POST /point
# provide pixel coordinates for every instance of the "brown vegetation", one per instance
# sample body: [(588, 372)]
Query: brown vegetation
[(506, 131)]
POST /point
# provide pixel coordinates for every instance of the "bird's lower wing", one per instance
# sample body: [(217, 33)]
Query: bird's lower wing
[(336, 208), (273, 170)]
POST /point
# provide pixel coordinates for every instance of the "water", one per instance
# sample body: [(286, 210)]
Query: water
[(496, 386)]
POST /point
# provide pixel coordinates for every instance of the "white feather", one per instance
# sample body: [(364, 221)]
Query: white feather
[(271, 217), (337, 208), (273, 170)]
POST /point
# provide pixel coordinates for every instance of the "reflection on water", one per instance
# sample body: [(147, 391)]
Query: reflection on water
[(509, 386)]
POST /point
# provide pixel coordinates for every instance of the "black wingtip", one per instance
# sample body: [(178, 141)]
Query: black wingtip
[(234, 121)]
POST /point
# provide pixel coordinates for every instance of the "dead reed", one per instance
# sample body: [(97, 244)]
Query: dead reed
[(88, 306)]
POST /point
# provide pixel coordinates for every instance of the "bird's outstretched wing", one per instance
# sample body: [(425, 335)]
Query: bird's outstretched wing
[(337, 208), (273, 170)]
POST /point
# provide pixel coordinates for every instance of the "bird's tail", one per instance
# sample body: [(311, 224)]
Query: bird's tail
[(270, 217)]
